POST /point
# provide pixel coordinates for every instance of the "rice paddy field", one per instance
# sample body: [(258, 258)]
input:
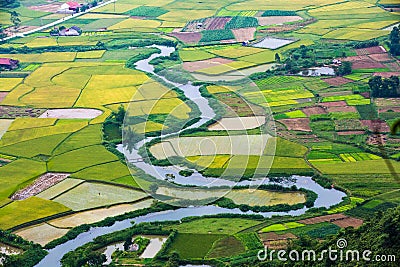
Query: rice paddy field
[(251, 60)]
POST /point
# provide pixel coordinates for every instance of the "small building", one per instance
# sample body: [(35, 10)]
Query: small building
[(69, 7), (8, 63), (73, 31), (134, 247)]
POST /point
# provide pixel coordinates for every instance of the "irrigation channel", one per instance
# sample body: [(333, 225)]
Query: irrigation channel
[(326, 197)]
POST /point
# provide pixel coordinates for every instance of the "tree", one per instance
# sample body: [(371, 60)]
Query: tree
[(119, 115), (9, 3), (2, 33), (277, 58), (15, 20), (344, 69), (394, 39), (173, 260)]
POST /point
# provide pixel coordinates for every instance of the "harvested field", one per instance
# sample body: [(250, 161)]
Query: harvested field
[(42, 183), (386, 74), (300, 124), (239, 123), (264, 197), (350, 133), (273, 20), (211, 145), (76, 113), (203, 64), (381, 57), (92, 195), (187, 37), (348, 222), (363, 62), (376, 126), (3, 95), (333, 104), (325, 218), (337, 81), (272, 43), (59, 188), (244, 34), (272, 236), (313, 111), (9, 112), (344, 108), (53, 7), (213, 23), (92, 216), (41, 234), (4, 125), (370, 50)]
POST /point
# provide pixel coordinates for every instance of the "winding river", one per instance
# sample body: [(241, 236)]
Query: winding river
[(326, 197)]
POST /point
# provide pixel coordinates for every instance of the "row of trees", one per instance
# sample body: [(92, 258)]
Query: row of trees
[(9, 3), (394, 41), (387, 87)]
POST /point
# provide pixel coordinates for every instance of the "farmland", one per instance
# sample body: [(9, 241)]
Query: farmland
[(151, 103)]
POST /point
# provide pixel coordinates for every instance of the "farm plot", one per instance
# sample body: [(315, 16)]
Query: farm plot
[(239, 123), (273, 20), (352, 100), (235, 52), (41, 234), (105, 172), (264, 197), (90, 54), (187, 37), (337, 81), (359, 167), (216, 35), (76, 160), (7, 84), (376, 126), (92, 195), (300, 124), (77, 113), (194, 55), (223, 226), (147, 11), (272, 43), (92, 216), (281, 227), (59, 188), (226, 247), (42, 183), (370, 50), (137, 24), (203, 64), (194, 245), (210, 145), (309, 111), (360, 156), (33, 208), (244, 34), (213, 23)]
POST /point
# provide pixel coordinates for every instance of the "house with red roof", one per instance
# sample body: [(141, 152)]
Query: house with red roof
[(69, 7), (8, 63)]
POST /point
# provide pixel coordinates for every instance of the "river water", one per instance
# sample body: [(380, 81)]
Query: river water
[(326, 197)]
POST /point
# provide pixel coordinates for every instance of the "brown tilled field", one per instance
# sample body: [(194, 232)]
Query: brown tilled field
[(333, 104), (215, 23), (349, 222), (344, 108), (272, 236), (47, 8), (244, 35), (274, 20), (371, 50), (300, 124), (386, 74), (187, 37), (337, 81), (381, 57), (376, 126), (313, 111), (325, 218)]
